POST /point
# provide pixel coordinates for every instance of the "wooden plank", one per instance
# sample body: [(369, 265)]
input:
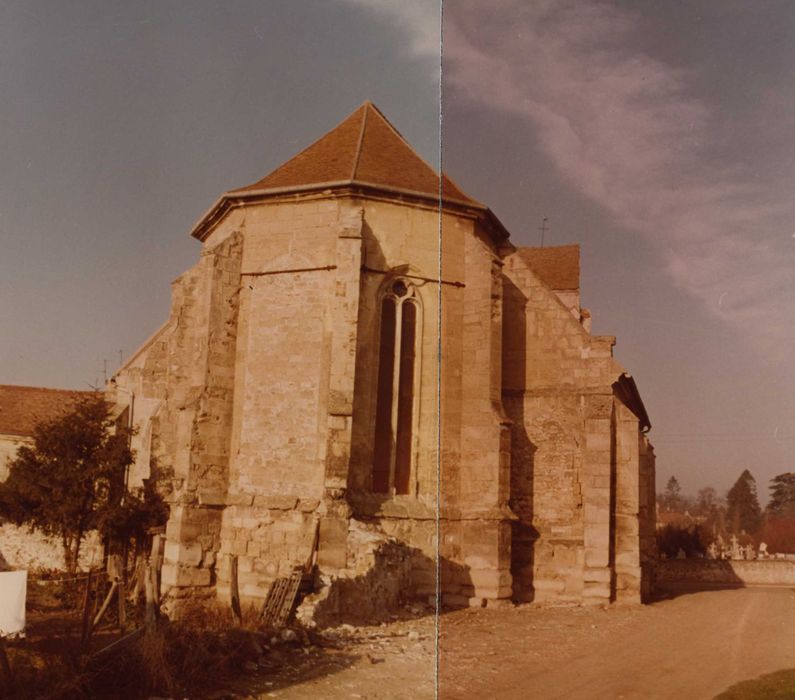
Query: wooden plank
[(273, 601), (105, 604), (291, 590), (280, 601)]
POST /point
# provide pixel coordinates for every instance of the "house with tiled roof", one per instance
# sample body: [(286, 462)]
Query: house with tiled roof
[(21, 409), (364, 373)]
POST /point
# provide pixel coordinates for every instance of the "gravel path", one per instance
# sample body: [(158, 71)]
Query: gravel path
[(690, 647)]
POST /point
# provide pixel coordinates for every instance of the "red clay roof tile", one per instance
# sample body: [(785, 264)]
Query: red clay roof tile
[(22, 407), (558, 266), (364, 148)]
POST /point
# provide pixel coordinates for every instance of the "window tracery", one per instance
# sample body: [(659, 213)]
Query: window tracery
[(396, 389)]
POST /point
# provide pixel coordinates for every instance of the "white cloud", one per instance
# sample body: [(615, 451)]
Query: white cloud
[(626, 131), (418, 19)]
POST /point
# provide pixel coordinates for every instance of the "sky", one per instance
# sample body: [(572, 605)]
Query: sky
[(660, 136)]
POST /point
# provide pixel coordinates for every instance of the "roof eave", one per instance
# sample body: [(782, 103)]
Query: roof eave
[(496, 226), (628, 392), (201, 230)]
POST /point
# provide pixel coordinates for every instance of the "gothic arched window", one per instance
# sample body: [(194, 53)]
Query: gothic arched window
[(397, 373)]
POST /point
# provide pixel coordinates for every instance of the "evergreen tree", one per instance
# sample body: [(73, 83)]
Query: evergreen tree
[(744, 513), (672, 498), (782, 496)]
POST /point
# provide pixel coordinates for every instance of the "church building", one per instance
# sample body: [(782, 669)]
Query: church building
[(361, 359)]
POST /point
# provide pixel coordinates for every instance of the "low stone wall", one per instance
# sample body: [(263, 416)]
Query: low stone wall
[(21, 548), (719, 572)]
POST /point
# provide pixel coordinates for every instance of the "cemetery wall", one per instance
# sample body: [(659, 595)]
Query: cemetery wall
[(717, 572)]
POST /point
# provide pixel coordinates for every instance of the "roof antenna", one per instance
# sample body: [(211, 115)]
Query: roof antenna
[(543, 228)]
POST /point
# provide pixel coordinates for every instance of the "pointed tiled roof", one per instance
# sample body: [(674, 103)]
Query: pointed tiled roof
[(557, 266), (22, 407), (364, 149)]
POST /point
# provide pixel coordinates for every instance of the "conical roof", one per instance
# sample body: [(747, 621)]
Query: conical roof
[(364, 149)]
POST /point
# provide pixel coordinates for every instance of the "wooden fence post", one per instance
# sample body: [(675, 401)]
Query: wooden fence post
[(87, 611), (156, 562), (150, 618), (122, 606)]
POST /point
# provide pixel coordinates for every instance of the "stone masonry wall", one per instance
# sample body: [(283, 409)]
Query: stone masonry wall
[(411, 521), (259, 400), (202, 393), (647, 515), (476, 523), (399, 239), (22, 548), (627, 506), (475, 460), (557, 391), (182, 381), (285, 410), (376, 579), (466, 549), (716, 572)]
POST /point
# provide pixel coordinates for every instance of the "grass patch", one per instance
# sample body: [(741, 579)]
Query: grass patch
[(772, 686)]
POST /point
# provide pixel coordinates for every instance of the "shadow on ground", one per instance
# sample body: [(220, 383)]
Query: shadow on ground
[(290, 666), (674, 578), (323, 654), (669, 591), (772, 686)]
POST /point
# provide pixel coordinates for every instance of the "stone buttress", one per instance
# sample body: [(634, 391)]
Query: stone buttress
[(362, 373)]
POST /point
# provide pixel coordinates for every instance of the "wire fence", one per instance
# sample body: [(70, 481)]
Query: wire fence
[(119, 596)]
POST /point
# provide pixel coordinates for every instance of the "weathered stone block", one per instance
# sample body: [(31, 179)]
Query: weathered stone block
[(595, 558), (176, 575), (254, 590), (209, 497), (187, 553), (308, 505), (276, 502), (602, 575), (332, 543), (455, 601), (549, 585)]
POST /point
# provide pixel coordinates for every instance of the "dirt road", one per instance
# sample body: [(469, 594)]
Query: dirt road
[(690, 647), (693, 646)]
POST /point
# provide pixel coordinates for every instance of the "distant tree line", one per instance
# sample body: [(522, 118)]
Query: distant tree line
[(693, 523)]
